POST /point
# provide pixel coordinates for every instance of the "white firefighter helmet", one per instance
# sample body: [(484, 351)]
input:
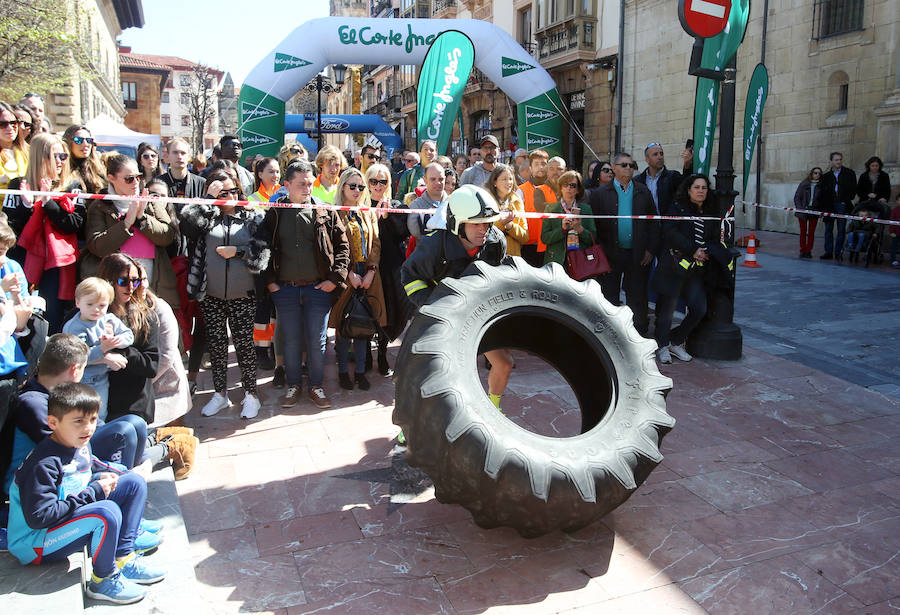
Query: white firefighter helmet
[(470, 204)]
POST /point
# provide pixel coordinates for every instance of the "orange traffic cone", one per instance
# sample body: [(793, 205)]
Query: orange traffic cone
[(750, 257)]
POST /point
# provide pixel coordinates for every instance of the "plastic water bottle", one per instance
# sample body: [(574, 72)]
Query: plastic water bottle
[(572, 240)]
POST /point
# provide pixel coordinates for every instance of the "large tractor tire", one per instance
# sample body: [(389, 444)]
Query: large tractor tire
[(476, 457)]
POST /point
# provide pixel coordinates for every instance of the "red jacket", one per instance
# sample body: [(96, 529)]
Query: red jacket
[(47, 248)]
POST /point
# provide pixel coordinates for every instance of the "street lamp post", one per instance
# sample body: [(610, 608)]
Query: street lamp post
[(320, 85)]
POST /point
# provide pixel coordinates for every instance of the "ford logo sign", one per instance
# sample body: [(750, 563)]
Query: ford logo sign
[(335, 125)]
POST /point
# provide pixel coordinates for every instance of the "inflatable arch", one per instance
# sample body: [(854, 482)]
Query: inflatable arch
[(374, 124), (330, 40)]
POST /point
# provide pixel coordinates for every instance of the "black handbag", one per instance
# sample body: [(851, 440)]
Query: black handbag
[(357, 320)]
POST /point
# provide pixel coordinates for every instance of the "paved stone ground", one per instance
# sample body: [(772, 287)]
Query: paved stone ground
[(779, 493)]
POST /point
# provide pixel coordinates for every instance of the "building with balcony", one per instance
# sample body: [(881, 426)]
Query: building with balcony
[(143, 83)]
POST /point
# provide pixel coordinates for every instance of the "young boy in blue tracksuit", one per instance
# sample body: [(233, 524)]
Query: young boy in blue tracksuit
[(63, 498)]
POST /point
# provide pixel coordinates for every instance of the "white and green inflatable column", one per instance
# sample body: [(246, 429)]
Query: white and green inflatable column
[(261, 119)]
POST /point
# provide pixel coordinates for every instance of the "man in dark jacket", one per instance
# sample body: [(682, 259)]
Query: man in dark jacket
[(310, 257), (629, 244), (661, 182), (470, 235), (837, 190)]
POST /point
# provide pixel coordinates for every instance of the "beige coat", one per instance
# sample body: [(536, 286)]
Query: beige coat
[(375, 293)]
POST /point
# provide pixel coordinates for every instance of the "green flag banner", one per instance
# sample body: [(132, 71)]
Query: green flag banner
[(717, 53), (540, 124), (442, 82), (260, 117), (757, 93), (706, 106)]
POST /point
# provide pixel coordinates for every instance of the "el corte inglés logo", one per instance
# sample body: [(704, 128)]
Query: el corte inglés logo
[(537, 140), (285, 62), (535, 115), (253, 139), (253, 111), (513, 67)]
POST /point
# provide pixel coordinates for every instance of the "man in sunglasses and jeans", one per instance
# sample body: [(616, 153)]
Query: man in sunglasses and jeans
[(629, 244)]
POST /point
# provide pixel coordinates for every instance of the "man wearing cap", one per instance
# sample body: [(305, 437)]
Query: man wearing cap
[(479, 174), (661, 182)]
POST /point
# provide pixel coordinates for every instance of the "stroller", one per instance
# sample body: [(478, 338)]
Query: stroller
[(870, 248)]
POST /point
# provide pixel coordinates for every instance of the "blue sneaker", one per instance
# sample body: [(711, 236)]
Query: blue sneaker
[(138, 570), (145, 542), (115, 588), (154, 527), (4, 541)]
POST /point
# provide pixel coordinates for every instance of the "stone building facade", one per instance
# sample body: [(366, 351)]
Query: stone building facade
[(833, 87), (143, 83), (98, 23)]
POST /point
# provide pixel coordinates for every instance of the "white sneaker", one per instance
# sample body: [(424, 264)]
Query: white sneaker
[(663, 355), (250, 406), (680, 353), (215, 405)]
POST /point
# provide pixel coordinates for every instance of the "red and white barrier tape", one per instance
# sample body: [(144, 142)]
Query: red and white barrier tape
[(187, 201), (823, 214)]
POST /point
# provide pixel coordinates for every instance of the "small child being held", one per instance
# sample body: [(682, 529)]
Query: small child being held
[(63, 498), (102, 332)]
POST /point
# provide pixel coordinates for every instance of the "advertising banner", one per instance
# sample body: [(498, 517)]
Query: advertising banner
[(757, 93), (706, 108), (442, 82)]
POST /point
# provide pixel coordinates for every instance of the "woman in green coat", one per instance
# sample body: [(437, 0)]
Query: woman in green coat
[(555, 231)]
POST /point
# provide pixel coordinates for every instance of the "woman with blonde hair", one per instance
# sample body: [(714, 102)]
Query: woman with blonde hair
[(13, 149), (502, 185), (361, 228), (393, 232), (331, 163), (50, 234)]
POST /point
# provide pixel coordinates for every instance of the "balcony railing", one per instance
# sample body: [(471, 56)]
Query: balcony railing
[(438, 6)]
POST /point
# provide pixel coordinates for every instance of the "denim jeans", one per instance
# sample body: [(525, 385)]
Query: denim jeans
[(857, 240), (694, 294), (895, 245), (342, 349), (100, 383), (303, 314), (835, 245), (122, 440)]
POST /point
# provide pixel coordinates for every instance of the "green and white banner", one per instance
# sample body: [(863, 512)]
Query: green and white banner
[(706, 108), (315, 44), (540, 123), (757, 92), (442, 82)]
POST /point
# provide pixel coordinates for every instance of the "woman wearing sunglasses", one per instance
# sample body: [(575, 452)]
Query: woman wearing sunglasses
[(361, 228), (149, 162), (141, 229), (50, 232), (84, 164), (13, 148), (230, 250), (563, 234), (393, 233), (27, 122)]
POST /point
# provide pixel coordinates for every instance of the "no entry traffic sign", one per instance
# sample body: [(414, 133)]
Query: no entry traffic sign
[(703, 18)]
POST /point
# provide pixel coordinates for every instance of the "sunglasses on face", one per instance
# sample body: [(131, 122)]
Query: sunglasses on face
[(230, 192), (606, 170), (148, 155), (236, 145), (5, 124), (129, 179), (378, 182), (357, 187), (80, 140), (571, 185), (409, 160), (371, 156), (126, 282), (61, 157), (296, 150), (626, 165)]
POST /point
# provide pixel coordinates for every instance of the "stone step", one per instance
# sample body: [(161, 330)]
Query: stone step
[(178, 593), (38, 590)]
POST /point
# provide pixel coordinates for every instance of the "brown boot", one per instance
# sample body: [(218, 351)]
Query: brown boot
[(162, 432), (182, 452)]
